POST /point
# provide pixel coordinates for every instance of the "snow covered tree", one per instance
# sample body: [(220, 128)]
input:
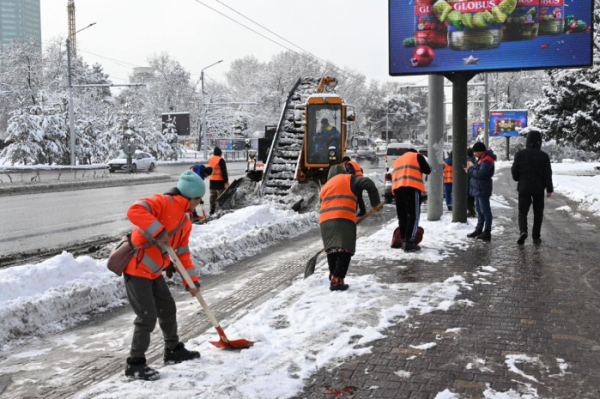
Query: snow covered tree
[(26, 133), (171, 137)]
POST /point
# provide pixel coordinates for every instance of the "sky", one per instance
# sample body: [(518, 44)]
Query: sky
[(351, 33)]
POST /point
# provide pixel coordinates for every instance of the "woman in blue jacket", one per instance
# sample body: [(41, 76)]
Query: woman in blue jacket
[(481, 188)]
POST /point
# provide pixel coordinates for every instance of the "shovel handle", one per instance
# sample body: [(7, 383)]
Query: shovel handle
[(190, 283)]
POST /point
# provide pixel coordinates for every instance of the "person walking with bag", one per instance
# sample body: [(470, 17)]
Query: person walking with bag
[(219, 179), (408, 187), (481, 188), (159, 220), (337, 220), (532, 169)]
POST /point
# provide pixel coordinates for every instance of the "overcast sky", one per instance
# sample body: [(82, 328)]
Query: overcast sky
[(351, 33)]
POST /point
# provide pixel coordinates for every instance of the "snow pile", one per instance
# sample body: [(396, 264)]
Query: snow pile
[(55, 294), (580, 183), (244, 233), (441, 240), (302, 329)]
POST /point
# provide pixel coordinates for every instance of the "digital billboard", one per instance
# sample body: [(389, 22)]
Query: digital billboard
[(181, 120), (507, 123), (429, 36), (478, 129)]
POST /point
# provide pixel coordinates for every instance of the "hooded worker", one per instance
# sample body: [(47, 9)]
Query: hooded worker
[(531, 168), (339, 198), (159, 221)]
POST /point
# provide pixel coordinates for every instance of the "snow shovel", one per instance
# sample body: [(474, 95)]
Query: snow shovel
[(312, 263), (224, 342)]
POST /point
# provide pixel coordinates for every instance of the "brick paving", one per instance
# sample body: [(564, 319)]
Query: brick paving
[(543, 302)]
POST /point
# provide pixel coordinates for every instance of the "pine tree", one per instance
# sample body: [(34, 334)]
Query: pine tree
[(26, 133)]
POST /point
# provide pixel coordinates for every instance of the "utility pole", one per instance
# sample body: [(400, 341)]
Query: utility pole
[(435, 199), (204, 112), (71, 106), (72, 30), (486, 112)]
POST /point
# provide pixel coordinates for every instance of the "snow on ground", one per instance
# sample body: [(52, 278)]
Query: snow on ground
[(441, 240), (446, 394), (61, 291), (302, 329), (580, 182)]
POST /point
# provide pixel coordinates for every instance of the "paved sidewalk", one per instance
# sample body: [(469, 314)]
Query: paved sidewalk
[(532, 329)]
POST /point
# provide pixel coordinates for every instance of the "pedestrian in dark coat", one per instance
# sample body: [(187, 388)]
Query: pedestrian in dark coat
[(531, 168), (338, 220), (481, 188)]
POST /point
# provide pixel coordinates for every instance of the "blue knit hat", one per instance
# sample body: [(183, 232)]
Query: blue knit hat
[(190, 185)]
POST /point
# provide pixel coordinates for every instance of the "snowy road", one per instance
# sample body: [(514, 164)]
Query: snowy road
[(55, 220)]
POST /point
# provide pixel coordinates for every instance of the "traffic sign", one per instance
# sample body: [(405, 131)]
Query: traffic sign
[(129, 149)]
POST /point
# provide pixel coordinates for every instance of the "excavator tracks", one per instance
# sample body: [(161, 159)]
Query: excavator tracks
[(280, 171)]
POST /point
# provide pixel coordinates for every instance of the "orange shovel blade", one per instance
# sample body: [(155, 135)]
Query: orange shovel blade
[(225, 343)]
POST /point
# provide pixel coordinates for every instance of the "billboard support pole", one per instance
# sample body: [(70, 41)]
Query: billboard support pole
[(459, 144), (508, 148), (486, 113), (435, 199)]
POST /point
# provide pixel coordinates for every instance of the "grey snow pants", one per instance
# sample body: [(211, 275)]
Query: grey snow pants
[(151, 300)]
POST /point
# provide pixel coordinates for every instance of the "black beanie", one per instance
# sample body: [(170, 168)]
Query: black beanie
[(217, 151), (479, 147)]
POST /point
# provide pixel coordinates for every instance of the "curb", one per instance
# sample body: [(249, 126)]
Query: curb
[(80, 185)]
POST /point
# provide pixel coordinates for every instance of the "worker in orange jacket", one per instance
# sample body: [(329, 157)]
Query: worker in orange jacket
[(219, 179), (354, 168), (159, 221), (448, 180), (338, 220), (408, 186)]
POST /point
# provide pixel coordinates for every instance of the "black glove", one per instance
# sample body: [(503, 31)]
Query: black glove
[(196, 283), (170, 270)]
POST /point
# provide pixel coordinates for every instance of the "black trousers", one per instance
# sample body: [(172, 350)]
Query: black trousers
[(525, 201), (339, 262), (151, 300), (408, 209)]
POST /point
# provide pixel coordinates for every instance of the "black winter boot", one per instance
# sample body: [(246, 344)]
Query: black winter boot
[(476, 233), (522, 239), (137, 369), (410, 246), (179, 354), (537, 240), (337, 284), (485, 236)]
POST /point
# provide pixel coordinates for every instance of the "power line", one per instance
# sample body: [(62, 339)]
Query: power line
[(269, 39)]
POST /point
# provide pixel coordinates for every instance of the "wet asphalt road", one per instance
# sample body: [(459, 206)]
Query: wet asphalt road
[(45, 221)]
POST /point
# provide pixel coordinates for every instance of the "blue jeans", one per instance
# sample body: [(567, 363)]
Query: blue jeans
[(484, 213), (448, 193)]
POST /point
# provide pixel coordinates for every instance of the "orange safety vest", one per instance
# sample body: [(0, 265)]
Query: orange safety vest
[(448, 173), (407, 172), (151, 216), (357, 169), (217, 173), (337, 199)]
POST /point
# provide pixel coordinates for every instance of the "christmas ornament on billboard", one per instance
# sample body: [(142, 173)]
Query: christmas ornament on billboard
[(422, 56)]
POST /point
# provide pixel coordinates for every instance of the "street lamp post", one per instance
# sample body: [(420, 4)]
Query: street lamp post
[(71, 106), (204, 110)]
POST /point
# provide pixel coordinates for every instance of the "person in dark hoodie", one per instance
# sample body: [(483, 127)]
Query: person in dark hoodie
[(531, 168), (337, 220), (481, 188), (448, 179)]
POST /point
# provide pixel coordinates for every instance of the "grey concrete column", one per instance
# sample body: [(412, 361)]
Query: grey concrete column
[(435, 206), (459, 147)]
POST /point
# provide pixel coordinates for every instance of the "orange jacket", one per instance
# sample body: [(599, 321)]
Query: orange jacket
[(357, 169), (448, 173), (337, 199), (407, 172), (217, 173), (155, 216)]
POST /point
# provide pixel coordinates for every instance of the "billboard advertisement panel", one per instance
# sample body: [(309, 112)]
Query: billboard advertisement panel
[(478, 129), (440, 36), (507, 123), (181, 121)]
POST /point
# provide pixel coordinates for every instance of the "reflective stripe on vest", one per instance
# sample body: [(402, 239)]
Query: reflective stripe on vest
[(407, 172), (217, 173), (337, 199), (357, 169), (448, 173)]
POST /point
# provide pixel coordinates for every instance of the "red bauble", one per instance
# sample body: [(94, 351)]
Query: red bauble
[(422, 56)]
